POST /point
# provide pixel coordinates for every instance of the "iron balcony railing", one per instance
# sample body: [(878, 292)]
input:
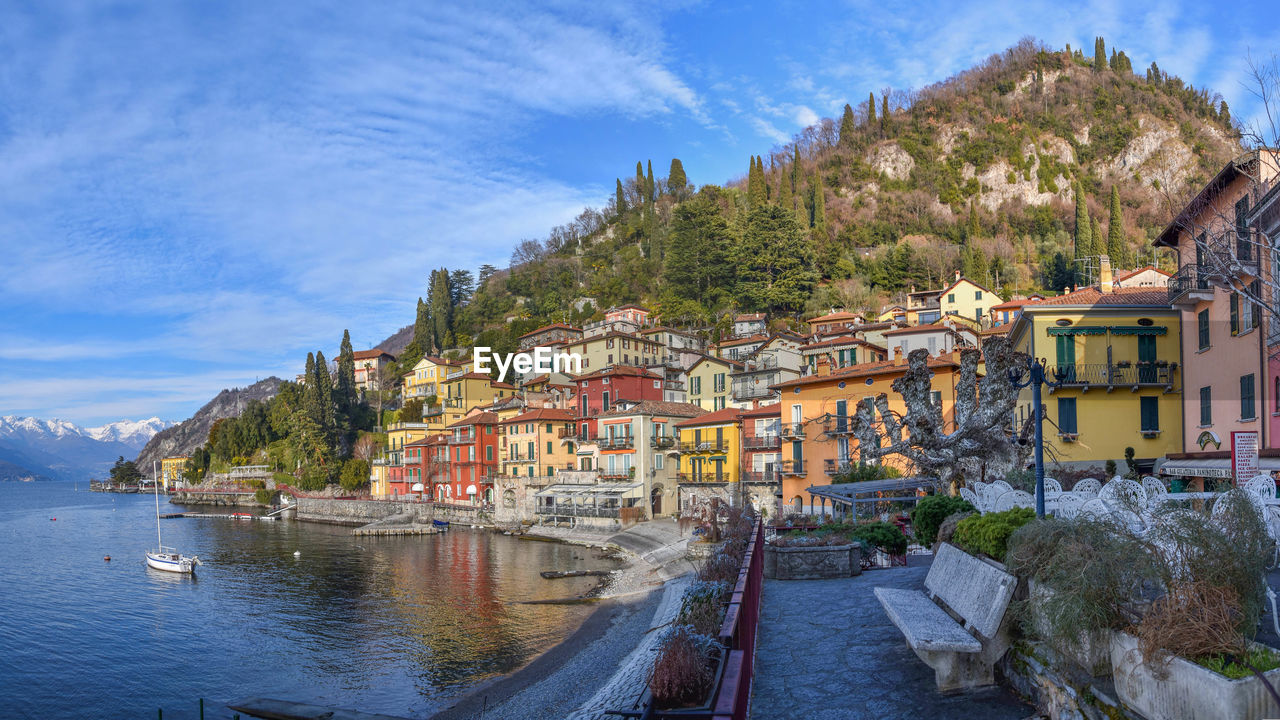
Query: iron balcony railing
[(619, 442), (662, 442), (793, 431), (462, 438), (705, 477), (521, 457), (762, 442), (837, 425), (615, 474), (837, 466), (760, 476), (747, 389), (791, 467), (1115, 374), (1189, 278), (704, 446), (568, 509)]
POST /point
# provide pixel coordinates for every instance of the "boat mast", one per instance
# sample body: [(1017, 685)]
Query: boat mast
[(156, 487)]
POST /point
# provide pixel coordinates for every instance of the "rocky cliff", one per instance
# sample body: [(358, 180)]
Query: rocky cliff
[(186, 436)]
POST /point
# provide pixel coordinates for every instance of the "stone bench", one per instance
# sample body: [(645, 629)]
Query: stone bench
[(956, 626)]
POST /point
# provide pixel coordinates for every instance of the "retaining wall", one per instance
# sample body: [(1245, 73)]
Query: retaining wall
[(341, 511)]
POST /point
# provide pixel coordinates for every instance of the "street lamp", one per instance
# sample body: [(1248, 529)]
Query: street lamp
[(1035, 377)]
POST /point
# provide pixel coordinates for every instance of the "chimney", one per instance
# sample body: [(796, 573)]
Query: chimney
[(897, 355), (1105, 283), (957, 276)]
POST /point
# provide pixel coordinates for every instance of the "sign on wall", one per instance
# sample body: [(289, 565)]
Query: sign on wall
[(1244, 455)]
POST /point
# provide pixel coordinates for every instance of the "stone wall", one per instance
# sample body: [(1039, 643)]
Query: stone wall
[(360, 512), (812, 563), (1036, 673), (220, 499)]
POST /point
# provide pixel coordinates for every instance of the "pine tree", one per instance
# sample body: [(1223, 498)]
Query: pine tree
[(795, 171), (440, 305), (1084, 241), (786, 199), (871, 110), (848, 127), (1224, 114), (651, 187), (1117, 248), (756, 193), (1113, 63), (974, 229), (884, 114), (1097, 241), (620, 199), (676, 179), (1099, 55)]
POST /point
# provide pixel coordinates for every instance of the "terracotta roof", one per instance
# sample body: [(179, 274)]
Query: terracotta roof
[(480, 418), (629, 306), (838, 341), (615, 370), (997, 330), (729, 414), (658, 407), (726, 361), (1013, 304), (881, 367), (763, 411), (747, 317), (744, 340), (1141, 270), (552, 414), (537, 379), (944, 290), (1090, 296), (366, 354), (473, 376), (834, 317), (439, 360), (552, 326)]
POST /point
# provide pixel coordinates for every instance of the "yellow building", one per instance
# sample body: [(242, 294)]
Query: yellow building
[(709, 386), (534, 443), (462, 391), (817, 435), (424, 380), (1117, 352), (171, 469), (710, 457), (615, 348), (388, 470), (967, 299)]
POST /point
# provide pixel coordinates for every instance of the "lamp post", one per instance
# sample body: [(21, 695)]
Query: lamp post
[(1035, 378)]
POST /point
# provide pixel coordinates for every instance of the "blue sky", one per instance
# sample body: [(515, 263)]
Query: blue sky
[(193, 195)]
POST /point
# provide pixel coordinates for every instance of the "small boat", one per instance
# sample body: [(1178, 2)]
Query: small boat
[(440, 523), (167, 558), (242, 516)]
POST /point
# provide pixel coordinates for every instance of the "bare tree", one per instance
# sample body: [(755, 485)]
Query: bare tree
[(980, 442)]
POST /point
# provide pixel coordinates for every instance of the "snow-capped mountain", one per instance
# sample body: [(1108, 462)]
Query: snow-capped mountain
[(134, 433), (59, 449)]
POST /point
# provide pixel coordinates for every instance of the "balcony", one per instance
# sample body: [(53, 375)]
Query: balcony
[(1190, 285), (615, 475), (837, 425), (710, 477), (567, 433), (1114, 375), (620, 442), (704, 446), (755, 387), (793, 431), (662, 442), (462, 438), (762, 442), (521, 457), (455, 403), (838, 467), (791, 467), (760, 476)]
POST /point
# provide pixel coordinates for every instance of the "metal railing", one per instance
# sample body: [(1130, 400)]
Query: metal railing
[(1187, 279), (759, 442), (618, 442), (747, 390), (705, 477), (791, 467), (837, 425), (704, 446), (461, 438), (838, 467), (568, 509), (662, 442), (1116, 374), (793, 431), (760, 476)]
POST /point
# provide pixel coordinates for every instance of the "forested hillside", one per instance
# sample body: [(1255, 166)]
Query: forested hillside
[(1006, 172)]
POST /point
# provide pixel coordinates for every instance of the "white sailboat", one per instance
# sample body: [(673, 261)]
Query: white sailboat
[(167, 558)]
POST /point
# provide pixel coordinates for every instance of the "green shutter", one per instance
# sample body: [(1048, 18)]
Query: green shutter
[(1150, 413), (1067, 415)]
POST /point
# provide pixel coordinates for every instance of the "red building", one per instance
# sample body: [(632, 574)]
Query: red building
[(600, 390), (762, 455), (472, 451)]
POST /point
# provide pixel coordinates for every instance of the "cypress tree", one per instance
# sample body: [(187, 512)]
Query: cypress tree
[(1224, 114), (1099, 55), (795, 171), (756, 194), (871, 109), (1117, 248), (440, 304), (422, 329), (847, 127), (676, 179), (974, 229), (620, 199), (650, 185), (345, 388), (1084, 242), (819, 208), (641, 190), (786, 199), (1098, 242), (884, 114), (324, 394)]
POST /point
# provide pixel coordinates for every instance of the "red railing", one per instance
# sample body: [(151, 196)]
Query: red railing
[(738, 634)]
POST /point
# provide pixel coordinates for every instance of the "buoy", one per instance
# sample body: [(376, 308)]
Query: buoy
[(297, 553), (107, 558), (52, 519)]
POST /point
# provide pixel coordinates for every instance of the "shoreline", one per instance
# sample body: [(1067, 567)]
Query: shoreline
[(556, 682)]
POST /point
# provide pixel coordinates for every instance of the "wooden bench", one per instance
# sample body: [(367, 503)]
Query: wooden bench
[(956, 626)]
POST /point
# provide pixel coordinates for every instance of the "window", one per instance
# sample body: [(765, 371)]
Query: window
[(695, 386), (717, 403), (936, 397), (604, 402), (657, 383), (1244, 250), (718, 383), (933, 346), (1247, 411), (1202, 324), (548, 428), (977, 294), (488, 452), (1067, 415), (548, 447), (1150, 407), (951, 298), (1206, 406), (657, 461)]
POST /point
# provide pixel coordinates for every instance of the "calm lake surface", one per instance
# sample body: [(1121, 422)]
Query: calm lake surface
[(391, 625)]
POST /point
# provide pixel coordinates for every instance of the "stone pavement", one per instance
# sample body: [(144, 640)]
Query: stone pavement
[(827, 651)]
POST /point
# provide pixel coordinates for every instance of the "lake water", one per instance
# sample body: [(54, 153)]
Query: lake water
[(393, 625)]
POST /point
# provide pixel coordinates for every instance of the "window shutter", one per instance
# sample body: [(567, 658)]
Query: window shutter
[(1235, 314)]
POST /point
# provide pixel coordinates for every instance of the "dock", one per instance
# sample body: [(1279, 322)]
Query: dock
[(225, 516), (401, 524), (286, 710)]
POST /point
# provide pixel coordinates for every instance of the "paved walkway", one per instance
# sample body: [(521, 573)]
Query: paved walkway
[(826, 650)]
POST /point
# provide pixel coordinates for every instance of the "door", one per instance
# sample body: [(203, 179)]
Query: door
[(1067, 357), (1146, 358), (842, 412)]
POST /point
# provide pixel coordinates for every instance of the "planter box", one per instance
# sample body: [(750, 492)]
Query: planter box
[(1187, 691), (1094, 652), (812, 563)]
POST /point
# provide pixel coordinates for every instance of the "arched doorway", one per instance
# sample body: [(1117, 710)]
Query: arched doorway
[(797, 504), (655, 501)]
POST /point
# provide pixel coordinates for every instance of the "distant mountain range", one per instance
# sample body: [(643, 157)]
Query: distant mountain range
[(36, 449)]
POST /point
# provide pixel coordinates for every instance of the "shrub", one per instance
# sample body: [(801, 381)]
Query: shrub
[(702, 607), (355, 474), (683, 673), (264, 496), (947, 530), (989, 534), (882, 535), (863, 472), (929, 513)]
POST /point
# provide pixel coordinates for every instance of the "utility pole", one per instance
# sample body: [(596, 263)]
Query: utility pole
[(1035, 378)]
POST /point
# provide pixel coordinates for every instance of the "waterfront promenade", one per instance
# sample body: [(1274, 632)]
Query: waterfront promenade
[(827, 651)]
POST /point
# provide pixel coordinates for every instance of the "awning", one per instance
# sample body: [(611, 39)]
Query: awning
[(586, 491), (1139, 330), (1210, 467), (1089, 330), (1113, 329)]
